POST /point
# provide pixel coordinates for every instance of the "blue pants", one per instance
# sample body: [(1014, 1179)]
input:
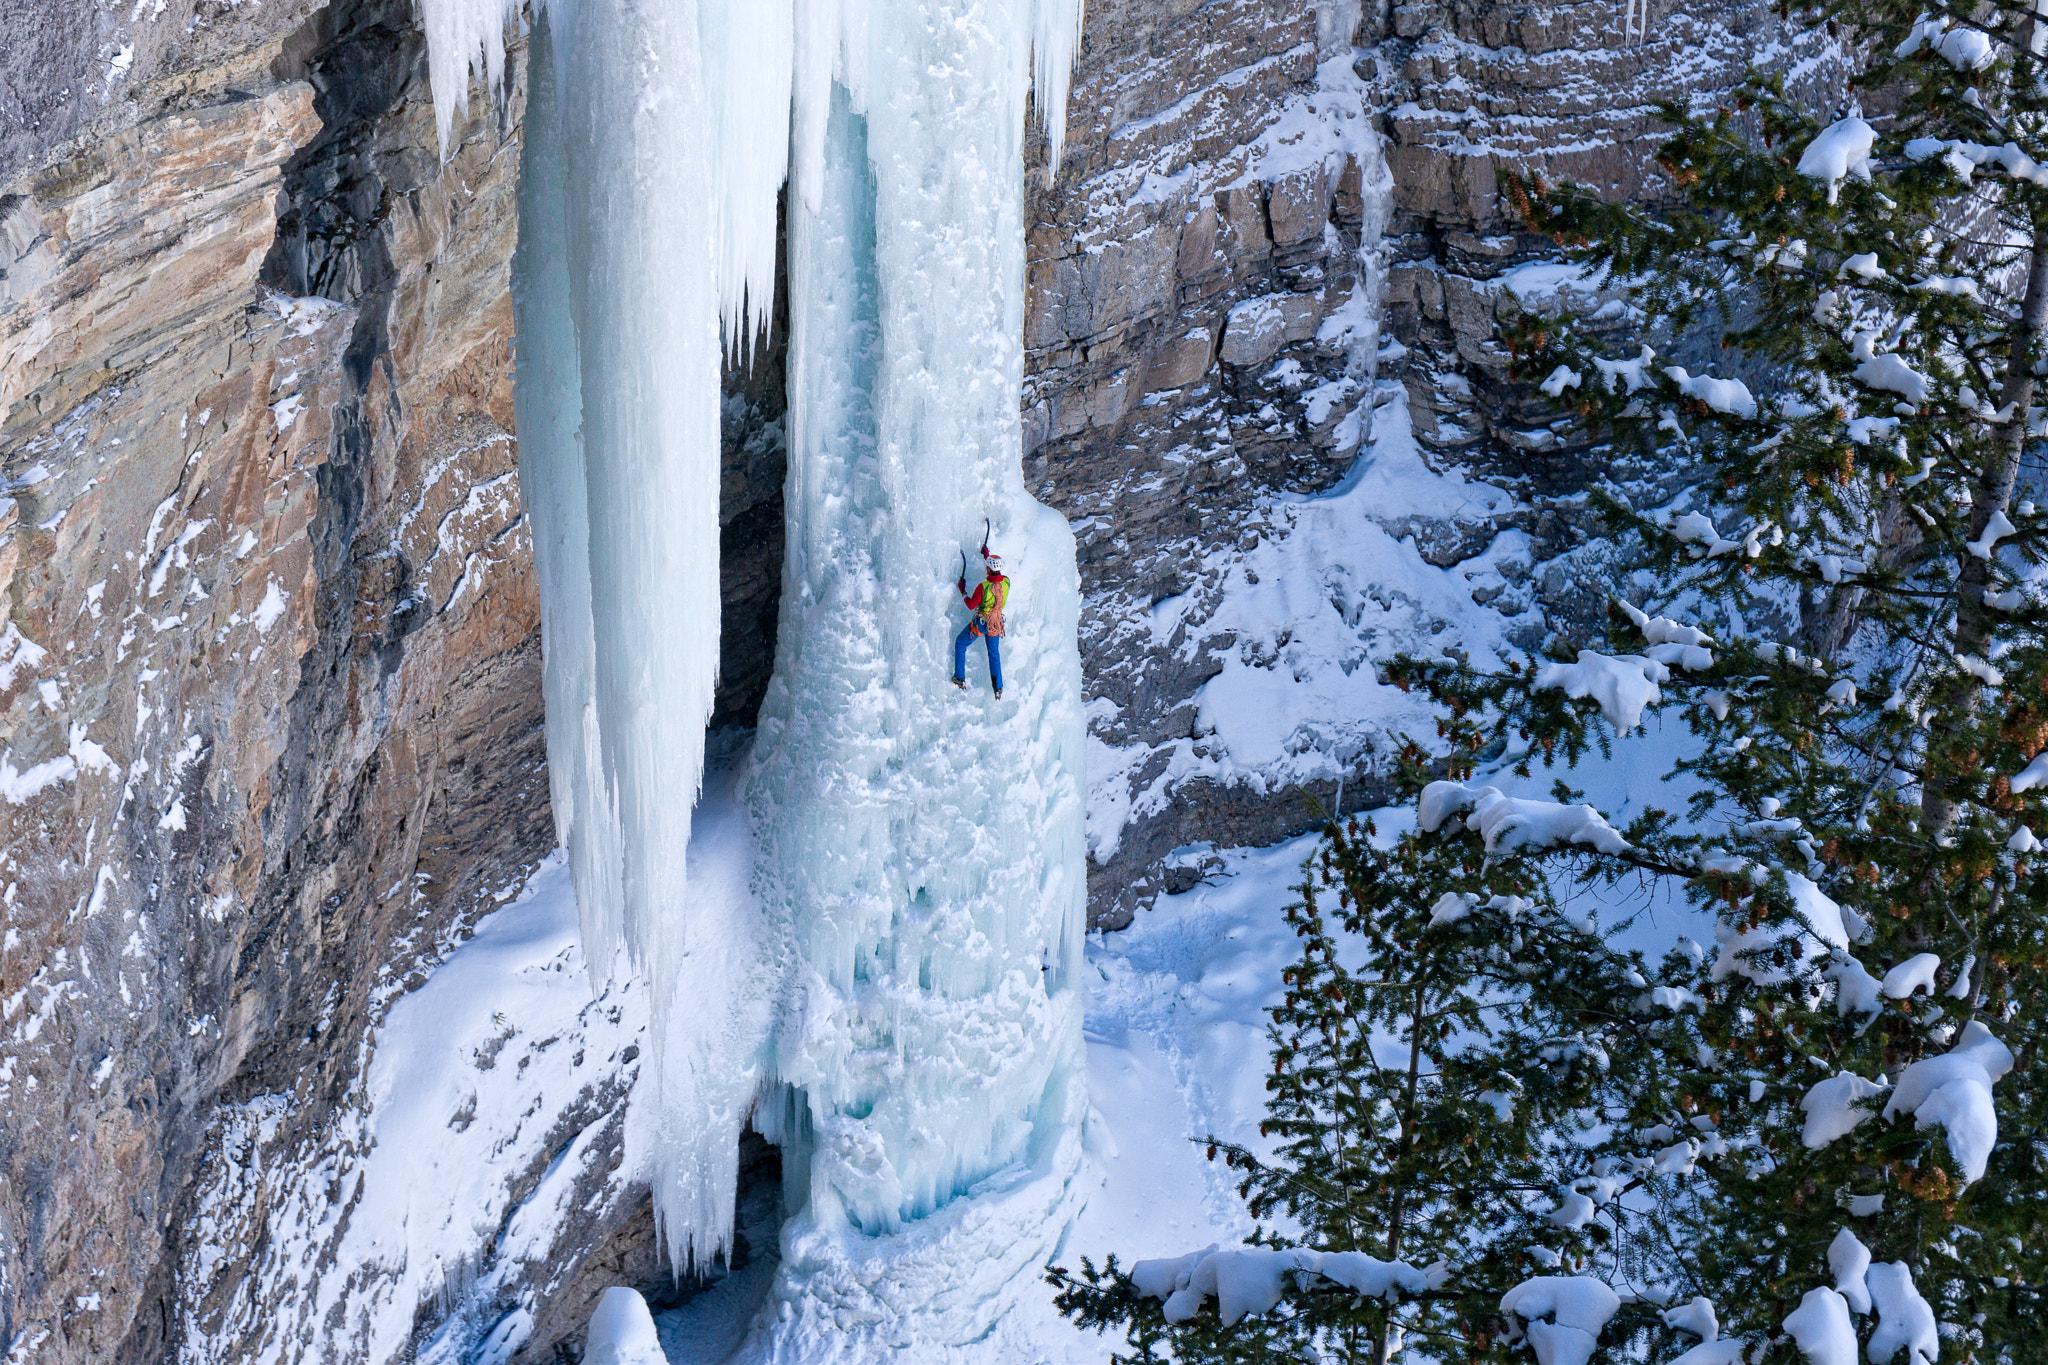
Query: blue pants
[(995, 655)]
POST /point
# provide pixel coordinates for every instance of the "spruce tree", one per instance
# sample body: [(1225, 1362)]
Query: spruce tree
[(1430, 1177), (1832, 1121)]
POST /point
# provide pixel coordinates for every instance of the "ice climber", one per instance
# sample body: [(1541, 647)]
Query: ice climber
[(986, 620)]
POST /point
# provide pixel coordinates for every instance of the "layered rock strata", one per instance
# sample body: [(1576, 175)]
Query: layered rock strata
[(270, 726), (271, 730), (1193, 354)]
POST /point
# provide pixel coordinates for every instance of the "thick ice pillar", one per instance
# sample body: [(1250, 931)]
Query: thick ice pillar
[(618, 387), (899, 997), (921, 846)]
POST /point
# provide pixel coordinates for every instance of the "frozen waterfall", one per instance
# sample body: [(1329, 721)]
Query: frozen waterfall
[(923, 845), (897, 1005)]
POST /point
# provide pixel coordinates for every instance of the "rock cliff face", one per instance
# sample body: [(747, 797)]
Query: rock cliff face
[(1200, 270), (269, 679), (270, 717)]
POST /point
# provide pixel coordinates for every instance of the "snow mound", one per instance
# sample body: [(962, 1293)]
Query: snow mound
[(622, 1331), (2033, 775), (1916, 973), (1697, 1317), (1725, 1351), (1857, 992), (1886, 371)]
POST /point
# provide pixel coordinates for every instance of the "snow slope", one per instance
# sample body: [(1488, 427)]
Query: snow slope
[(1332, 586), (1175, 1051), (476, 1069)]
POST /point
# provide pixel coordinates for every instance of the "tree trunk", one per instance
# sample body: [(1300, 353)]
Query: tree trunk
[(1389, 1337), (1991, 495)]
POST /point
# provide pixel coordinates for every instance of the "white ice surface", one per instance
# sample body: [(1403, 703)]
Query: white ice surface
[(656, 141), (921, 862)]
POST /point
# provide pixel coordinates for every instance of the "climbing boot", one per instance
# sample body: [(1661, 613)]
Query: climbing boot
[(960, 683), (999, 694)]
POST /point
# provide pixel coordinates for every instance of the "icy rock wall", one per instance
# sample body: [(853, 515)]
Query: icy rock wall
[(921, 856), (1202, 334)]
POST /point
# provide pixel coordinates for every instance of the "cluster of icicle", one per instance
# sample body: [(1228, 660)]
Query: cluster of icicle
[(897, 1007)]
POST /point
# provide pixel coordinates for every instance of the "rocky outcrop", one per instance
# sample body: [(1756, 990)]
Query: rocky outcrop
[(269, 692), (271, 723), (1192, 353), (77, 73), (1568, 91), (1200, 334)]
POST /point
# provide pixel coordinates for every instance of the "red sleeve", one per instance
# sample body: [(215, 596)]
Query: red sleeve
[(974, 602)]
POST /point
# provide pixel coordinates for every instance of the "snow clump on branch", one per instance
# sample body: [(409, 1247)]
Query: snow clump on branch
[(1953, 1090), (1622, 684), (1887, 371), (1820, 1324), (1510, 824), (1722, 395), (1576, 1308), (1904, 1318), (1965, 49), (1254, 1279), (1841, 150), (2035, 774), (1834, 1108)]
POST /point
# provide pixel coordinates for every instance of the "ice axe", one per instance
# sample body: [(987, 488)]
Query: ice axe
[(963, 573)]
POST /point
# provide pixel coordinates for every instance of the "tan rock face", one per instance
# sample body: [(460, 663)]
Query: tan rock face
[(271, 727)]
